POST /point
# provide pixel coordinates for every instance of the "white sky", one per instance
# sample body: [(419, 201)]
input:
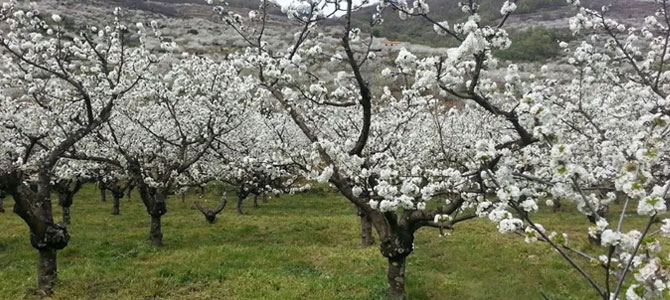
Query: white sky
[(284, 2)]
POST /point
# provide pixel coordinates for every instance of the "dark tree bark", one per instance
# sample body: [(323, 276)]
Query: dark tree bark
[(129, 192), (558, 206), (117, 190), (154, 201), (47, 271), (66, 215), (116, 203), (240, 200), (210, 215), (33, 205), (66, 190), (202, 192), (103, 193), (396, 243), (65, 201), (2, 202), (242, 194), (156, 233), (367, 239), (256, 201), (183, 197)]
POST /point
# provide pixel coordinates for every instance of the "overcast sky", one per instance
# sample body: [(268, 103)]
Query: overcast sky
[(289, 1), (284, 2)]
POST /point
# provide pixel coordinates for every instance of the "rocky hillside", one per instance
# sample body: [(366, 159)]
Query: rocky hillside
[(530, 13)]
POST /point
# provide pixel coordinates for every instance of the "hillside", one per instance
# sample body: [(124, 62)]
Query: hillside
[(535, 27), (189, 8), (531, 13), (190, 23)]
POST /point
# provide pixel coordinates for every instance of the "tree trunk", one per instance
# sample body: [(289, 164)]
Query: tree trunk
[(183, 197), (2, 204), (156, 235), (154, 200), (116, 203), (396, 243), (47, 271), (255, 201), (66, 215), (396, 278), (367, 239), (557, 205), (239, 205), (103, 195), (33, 205), (202, 192), (65, 202)]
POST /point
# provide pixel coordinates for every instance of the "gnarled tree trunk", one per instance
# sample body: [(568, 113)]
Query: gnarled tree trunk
[(396, 244), (154, 200), (47, 237)]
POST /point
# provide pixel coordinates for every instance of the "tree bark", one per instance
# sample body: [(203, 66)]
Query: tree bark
[(47, 271), (156, 234), (103, 194), (240, 199), (255, 201), (396, 278), (154, 200), (116, 203), (65, 198), (557, 205), (33, 205), (66, 215), (183, 197), (396, 236), (367, 239), (2, 203)]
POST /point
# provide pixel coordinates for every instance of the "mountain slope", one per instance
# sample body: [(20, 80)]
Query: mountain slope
[(190, 8), (530, 13)]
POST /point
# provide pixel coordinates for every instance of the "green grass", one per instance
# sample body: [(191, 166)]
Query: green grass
[(303, 246)]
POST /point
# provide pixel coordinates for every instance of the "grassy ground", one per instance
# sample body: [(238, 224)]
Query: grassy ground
[(295, 247)]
